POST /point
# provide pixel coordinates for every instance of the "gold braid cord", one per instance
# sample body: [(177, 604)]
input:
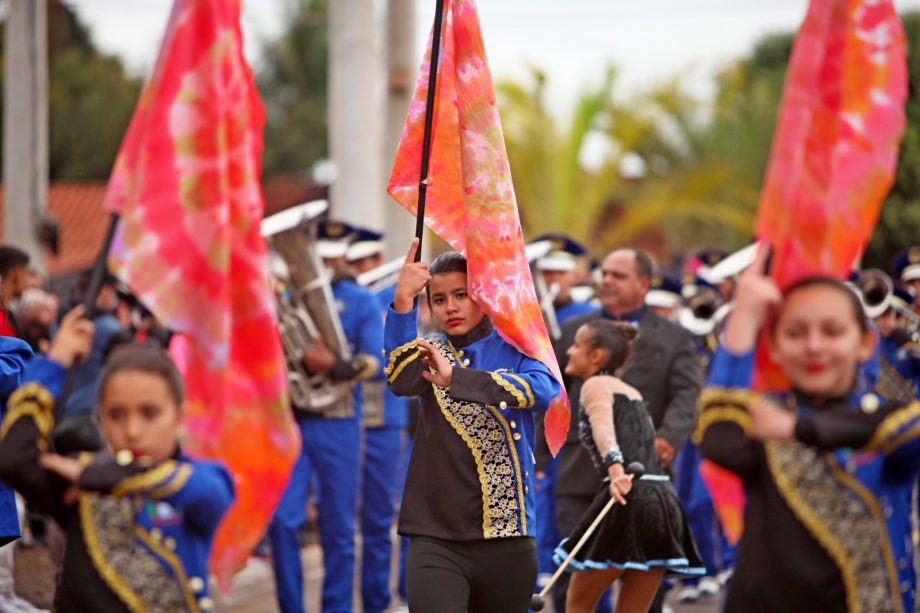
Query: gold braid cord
[(31, 400), (724, 405)]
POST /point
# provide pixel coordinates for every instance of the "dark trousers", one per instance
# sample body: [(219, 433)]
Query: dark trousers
[(495, 575)]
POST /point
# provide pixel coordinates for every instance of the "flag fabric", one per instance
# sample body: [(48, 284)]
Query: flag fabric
[(835, 148), (470, 200), (186, 184)]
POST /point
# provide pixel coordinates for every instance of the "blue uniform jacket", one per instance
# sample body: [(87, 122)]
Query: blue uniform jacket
[(138, 534), (847, 478), (361, 323), (14, 354), (488, 414), (395, 409)]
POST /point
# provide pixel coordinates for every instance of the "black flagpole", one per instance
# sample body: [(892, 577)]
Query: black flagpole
[(429, 113), (96, 278)]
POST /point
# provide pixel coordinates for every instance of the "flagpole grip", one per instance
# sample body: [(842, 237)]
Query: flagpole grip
[(429, 117)]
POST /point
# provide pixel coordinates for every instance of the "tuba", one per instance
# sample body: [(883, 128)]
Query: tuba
[(306, 308)]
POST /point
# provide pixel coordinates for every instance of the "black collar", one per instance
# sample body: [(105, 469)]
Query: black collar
[(477, 333)]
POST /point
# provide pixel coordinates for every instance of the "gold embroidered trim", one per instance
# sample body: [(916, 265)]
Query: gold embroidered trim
[(891, 424), (509, 387), (517, 466), (396, 353), (728, 396), (401, 366), (901, 439), (29, 407), (32, 391), (175, 484), (488, 443), (531, 401), (719, 414), (155, 477), (875, 508), (477, 457), (806, 483), (174, 562), (96, 554)]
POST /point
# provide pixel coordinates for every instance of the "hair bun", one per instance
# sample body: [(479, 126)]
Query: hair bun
[(627, 331)]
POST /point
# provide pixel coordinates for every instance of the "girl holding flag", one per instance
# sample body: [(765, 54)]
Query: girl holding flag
[(828, 472), (468, 504)]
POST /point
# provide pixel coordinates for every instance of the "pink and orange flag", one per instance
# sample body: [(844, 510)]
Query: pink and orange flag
[(835, 149), (470, 198), (186, 184)]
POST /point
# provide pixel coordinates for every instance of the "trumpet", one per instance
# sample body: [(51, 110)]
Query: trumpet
[(876, 291)]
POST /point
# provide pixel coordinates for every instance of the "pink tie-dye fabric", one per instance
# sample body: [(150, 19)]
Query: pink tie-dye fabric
[(470, 200), (186, 183), (833, 160)]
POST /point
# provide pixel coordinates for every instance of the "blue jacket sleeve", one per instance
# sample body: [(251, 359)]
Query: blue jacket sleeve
[(14, 355), (400, 343), (531, 387), (724, 424), (26, 432)]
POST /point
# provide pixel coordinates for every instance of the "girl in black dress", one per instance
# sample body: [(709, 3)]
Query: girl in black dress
[(646, 534)]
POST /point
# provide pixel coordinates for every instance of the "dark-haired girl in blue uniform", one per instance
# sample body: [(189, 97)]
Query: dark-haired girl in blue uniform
[(468, 504), (828, 471), (139, 517)]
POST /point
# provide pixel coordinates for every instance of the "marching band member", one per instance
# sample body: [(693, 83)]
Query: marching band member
[(330, 444), (384, 419), (828, 473), (139, 517), (468, 504)]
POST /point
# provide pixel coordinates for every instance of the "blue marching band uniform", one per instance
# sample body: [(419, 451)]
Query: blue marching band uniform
[(138, 537), (330, 454), (836, 500)]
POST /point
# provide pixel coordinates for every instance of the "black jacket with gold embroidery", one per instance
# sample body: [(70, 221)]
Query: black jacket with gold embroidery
[(471, 474), (138, 535), (828, 515)]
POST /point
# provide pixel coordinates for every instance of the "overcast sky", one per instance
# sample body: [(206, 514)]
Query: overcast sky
[(571, 40)]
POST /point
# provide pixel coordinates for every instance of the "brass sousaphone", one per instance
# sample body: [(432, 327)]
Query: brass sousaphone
[(306, 308)]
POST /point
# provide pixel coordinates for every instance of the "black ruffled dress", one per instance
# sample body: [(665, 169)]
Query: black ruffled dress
[(651, 530)]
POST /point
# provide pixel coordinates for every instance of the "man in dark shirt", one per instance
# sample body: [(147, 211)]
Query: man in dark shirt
[(662, 367)]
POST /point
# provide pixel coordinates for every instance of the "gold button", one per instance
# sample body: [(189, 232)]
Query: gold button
[(170, 543), (869, 403), (502, 405), (156, 534), (206, 603), (460, 353), (124, 457), (517, 436), (466, 362), (513, 424), (196, 583)]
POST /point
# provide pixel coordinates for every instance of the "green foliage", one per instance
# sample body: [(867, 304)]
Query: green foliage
[(90, 103), (900, 218), (293, 80), (90, 100)]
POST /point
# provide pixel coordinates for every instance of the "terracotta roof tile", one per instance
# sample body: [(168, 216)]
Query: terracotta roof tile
[(77, 207)]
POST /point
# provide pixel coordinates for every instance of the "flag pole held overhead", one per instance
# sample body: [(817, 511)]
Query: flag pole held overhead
[(429, 115)]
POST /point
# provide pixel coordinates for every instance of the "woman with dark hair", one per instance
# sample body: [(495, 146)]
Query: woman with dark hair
[(828, 472), (646, 534), (468, 503)]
